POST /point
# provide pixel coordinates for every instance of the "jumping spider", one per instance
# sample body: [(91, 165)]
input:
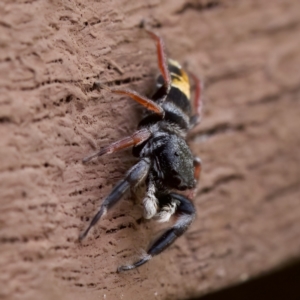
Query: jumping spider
[(166, 163)]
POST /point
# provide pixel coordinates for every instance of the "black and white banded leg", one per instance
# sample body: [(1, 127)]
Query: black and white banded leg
[(134, 176), (185, 214)]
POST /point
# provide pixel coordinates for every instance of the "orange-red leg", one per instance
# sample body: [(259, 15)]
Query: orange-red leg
[(162, 60), (197, 170), (147, 103), (129, 141)]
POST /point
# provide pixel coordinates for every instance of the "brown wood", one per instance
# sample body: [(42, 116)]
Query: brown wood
[(248, 204)]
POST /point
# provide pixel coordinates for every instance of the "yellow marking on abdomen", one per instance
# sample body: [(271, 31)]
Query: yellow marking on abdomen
[(182, 83)]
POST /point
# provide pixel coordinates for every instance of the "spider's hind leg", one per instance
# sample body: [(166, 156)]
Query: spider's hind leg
[(162, 60), (198, 102), (185, 214)]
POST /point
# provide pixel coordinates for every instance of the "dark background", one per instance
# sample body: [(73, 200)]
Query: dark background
[(282, 284)]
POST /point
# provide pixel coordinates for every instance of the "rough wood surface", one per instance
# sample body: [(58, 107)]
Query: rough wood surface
[(248, 204)]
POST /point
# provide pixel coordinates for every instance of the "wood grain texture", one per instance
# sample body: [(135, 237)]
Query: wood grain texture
[(248, 198)]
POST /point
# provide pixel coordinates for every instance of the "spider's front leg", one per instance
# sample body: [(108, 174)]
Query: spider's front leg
[(134, 176), (185, 213)]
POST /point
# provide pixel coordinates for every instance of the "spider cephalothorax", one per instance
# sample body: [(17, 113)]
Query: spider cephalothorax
[(166, 163)]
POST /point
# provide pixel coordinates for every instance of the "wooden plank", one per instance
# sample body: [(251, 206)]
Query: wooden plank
[(248, 197)]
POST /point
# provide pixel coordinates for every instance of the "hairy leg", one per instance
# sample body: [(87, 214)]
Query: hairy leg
[(185, 214), (144, 101), (133, 177), (129, 141), (162, 60), (163, 67)]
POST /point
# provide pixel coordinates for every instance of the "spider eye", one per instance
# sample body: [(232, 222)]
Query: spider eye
[(176, 154)]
